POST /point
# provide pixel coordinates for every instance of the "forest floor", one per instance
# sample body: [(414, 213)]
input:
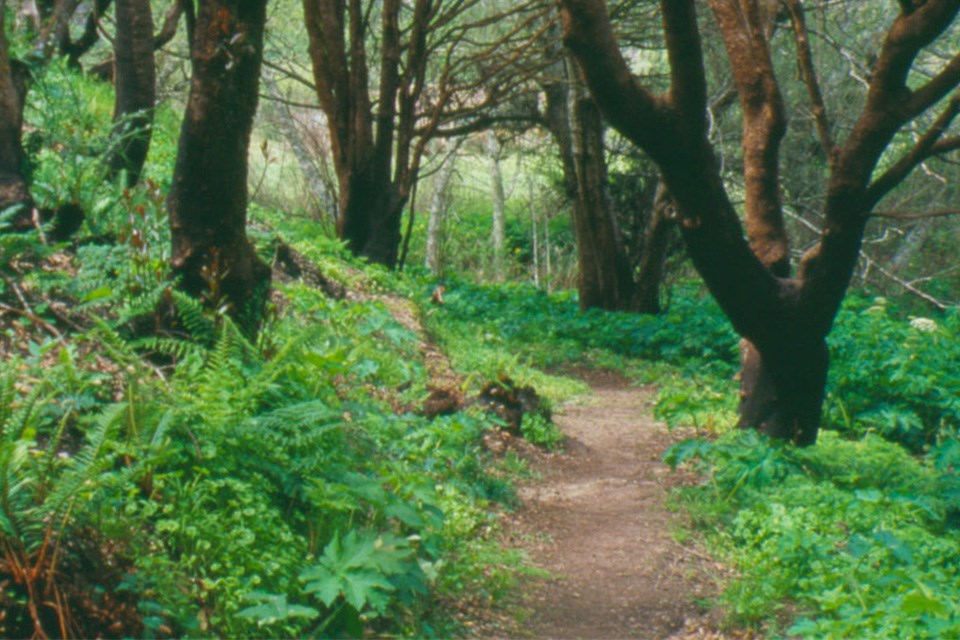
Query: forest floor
[(598, 523)]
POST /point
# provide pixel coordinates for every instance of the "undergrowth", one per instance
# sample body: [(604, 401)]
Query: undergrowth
[(846, 539)]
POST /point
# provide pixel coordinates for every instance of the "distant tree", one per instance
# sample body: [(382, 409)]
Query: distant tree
[(208, 200), (436, 66), (783, 318), (439, 203), (498, 202)]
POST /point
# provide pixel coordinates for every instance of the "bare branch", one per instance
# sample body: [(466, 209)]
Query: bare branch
[(872, 263), (896, 215), (809, 76), (922, 150)]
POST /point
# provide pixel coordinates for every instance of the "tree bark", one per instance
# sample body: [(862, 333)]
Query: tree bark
[(499, 202), (782, 390), (439, 202), (212, 256), (653, 260), (14, 191), (605, 272), (135, 77)]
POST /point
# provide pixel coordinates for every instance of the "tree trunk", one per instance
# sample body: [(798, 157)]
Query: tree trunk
[(135, 75), (653, 261), (371, 209), (14, 191), (55, 31), (782, 390), (606, 276), (439, 201), (499, 203), (208, 199)]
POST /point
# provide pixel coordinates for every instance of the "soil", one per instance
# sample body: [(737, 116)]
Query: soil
[(599, 524)]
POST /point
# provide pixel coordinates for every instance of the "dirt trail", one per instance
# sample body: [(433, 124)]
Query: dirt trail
[(599, 525)]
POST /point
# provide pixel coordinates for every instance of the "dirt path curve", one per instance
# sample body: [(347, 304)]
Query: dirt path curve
[(599, 525)]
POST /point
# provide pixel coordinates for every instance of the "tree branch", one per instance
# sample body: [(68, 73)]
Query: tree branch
[(808, 74), (628, 106), (896, 215), (922, 150)]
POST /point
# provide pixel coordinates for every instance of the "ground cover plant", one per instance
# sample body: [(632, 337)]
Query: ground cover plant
[(162, 474)]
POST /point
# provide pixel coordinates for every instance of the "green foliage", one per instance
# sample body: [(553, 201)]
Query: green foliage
[(541, 431), (69, 133), (230, 466), (844, 539), (894, 377), (552, 330)]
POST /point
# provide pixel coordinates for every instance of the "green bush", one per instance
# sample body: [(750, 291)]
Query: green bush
[(894, 377), (843, 539)]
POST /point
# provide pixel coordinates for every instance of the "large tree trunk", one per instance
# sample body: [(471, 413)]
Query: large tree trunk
[(782, 390), (135, 75), (371, 210), (606, 275), (208, 200), (14, 191)]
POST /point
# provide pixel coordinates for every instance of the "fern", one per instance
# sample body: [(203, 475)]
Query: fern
[(85, 464), (193, 315), (15, 483), (115, 345)]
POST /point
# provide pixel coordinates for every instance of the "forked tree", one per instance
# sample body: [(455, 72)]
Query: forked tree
[(208, 200), (784, 316), (390, 76)]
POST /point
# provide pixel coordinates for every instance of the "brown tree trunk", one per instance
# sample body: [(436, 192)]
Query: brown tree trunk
[(606, 276), (208, 200), (782, 390), (607, 279), (370, 214), (135, 77), (653, 260), (14, 191)]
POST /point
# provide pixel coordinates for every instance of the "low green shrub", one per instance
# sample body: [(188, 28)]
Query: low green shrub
[(843, 539), (892, 376)]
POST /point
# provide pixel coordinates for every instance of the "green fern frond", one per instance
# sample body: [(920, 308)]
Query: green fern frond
[(121, 351), (193, 316), (295, 417), (86, 463), (178, 349), (14, 423), (15, 494)]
